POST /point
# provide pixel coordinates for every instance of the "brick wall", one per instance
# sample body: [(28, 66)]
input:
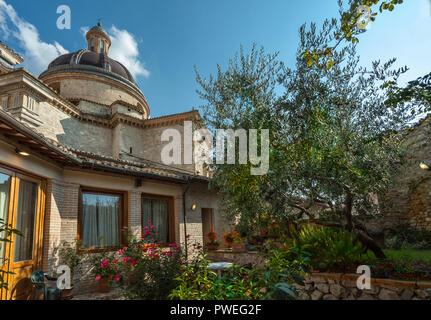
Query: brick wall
[(61, 219)]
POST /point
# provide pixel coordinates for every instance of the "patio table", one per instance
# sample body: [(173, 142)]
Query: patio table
[(219, 266)]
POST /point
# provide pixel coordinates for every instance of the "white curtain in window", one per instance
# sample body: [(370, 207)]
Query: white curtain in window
[(26, 213), (158, 212), (100, 221), (4, 206)]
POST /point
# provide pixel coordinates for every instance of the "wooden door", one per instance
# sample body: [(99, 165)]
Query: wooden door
[(208, 224), (24, 253)]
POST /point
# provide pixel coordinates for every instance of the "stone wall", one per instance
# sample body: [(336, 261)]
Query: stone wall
[(242, 258), (343, 287), (409, 198), (67, 130)]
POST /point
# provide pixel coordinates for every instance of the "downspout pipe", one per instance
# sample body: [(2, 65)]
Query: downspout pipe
[(185, 222)]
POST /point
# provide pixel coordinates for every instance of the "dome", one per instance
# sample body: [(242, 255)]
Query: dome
[(99, 28), (91, 75), (92, 59)]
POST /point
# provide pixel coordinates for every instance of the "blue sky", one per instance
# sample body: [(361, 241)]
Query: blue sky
[(161, 40)]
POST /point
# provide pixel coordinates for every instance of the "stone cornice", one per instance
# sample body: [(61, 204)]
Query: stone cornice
[(22, 79), (98, 74), (13, 54)]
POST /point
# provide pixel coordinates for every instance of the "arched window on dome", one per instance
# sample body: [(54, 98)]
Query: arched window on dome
[(92, 45), (102, 46)]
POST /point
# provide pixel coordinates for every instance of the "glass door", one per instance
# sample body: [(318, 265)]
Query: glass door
[(6, 181), (22, 206)]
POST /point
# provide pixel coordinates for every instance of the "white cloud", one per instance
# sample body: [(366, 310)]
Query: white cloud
[(125, 49), (84, 30), (37, 54)]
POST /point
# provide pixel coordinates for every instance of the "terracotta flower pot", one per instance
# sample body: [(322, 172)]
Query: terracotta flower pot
[(228, 244), (212, 247), (239, 247), (104, 287)]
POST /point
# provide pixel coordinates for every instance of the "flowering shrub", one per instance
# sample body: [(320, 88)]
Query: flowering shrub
[(143, 270), (212, 239), (232, 236)]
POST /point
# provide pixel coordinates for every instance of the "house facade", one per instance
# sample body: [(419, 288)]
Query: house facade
[(80, 159)]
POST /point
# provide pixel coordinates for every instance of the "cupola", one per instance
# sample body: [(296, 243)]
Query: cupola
[(98, 40)]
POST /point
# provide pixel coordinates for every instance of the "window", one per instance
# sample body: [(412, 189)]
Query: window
[(159, 210), (102, 46), (30, 103), (5, 182), (92, 45), (4, 102), (26, 216), (102, 218), (16, 100)]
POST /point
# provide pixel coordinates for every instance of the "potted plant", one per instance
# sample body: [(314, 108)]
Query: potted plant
[(105, 268), (228, 238), (239, 244), (212, 243)]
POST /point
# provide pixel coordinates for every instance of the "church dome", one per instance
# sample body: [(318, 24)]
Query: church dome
[(92, 59), (91, 75)]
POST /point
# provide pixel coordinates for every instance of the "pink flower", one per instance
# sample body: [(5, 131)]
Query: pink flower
[(156, 256), (127, 259), (187, 236), (104, 263), (115, 261), (152, 227), (120, 252), (145, 228), (117, 277), (149, 222), (134, 262), (98, 278)]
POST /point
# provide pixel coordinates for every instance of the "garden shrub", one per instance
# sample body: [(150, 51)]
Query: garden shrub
[(329, 247), (408, 237), (275, 280), (142, 270)]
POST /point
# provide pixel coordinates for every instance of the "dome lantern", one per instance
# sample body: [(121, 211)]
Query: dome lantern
[(98, 40)]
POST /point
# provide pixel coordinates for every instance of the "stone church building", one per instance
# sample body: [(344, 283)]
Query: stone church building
[(80, 158)]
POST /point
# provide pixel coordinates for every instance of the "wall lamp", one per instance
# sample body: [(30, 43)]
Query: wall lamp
[(193, 207), (22, 153), (424, 166)]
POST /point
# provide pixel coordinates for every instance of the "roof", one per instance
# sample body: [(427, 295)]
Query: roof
[(92, 59), (24, 136), (18, 58)]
